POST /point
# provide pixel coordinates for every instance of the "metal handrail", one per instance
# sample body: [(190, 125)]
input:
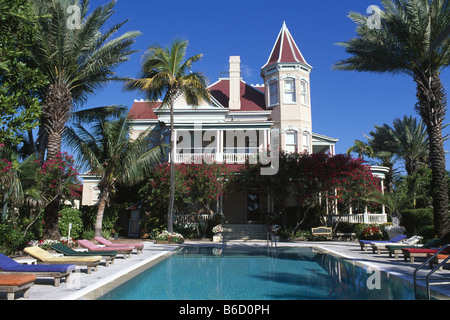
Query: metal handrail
[(273, 241), (433, 270), (223, 240)]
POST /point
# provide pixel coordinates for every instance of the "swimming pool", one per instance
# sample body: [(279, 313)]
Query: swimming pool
[(242, 273)]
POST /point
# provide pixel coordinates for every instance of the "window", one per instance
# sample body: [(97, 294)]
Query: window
[(291, 141), (304, 92), (306, 141), (273, 93), (289, 91)]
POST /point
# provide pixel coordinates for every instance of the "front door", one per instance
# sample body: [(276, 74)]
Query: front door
[(253, 207)]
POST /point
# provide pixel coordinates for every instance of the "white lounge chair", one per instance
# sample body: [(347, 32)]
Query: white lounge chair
[(378, 246)]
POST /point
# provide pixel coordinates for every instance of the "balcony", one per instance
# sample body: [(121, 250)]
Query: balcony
[(367, 218), (235, 156)]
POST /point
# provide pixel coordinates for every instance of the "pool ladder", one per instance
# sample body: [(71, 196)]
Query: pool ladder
[(273, 242), (433, 270)]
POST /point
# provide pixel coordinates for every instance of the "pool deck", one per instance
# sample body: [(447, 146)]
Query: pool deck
[(83, 286)]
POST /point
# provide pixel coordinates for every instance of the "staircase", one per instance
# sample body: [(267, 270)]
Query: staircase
[(245, 232)]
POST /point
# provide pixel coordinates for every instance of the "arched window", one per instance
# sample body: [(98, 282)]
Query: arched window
[(306, 141), (304, 92), (289, 90), (290, 144)]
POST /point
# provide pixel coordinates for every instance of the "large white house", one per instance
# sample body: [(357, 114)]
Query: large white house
[(238, 123)]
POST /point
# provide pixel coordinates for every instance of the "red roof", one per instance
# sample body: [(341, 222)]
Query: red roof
[(285, 50), (143, 110), (252, 99)]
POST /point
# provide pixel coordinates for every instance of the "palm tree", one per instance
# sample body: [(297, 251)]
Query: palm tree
[(106, 149), (361, 148), (407, 138), (406, 44), (77, 61), (165, 71), (15, 182)]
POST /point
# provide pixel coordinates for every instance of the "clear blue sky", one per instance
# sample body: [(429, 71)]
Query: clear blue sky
[(345, 105)]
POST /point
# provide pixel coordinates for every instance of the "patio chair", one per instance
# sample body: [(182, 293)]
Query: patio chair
[(378, 246), (125, 251), (396, 249), (56, 271), (13, 283), (47, 258), (108, 256), (367, 243), (413, 253), (138, 246)]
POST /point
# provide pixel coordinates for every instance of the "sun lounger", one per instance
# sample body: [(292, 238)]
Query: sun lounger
[(47, 258), (377, 247), (367, 243), (138, 246), (13, 283), (437, 259), (396, 249), (413, 253), (56, 271), (108, 256), (125, 251)]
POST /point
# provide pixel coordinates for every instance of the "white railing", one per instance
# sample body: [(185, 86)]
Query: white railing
[(216, 157), (369, 218), (196, 157)]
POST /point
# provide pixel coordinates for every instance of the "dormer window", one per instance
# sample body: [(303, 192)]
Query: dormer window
[(304, 92), (289, 91), (273, 93)]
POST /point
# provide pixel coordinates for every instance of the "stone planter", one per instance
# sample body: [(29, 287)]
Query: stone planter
[(217, 237)]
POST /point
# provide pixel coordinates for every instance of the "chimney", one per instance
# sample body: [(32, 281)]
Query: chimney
[(235, 83)]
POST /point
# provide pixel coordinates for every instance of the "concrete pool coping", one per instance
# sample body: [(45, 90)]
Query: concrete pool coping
[(83, 286)]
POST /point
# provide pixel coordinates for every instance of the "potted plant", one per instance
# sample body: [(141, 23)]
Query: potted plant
[(169, 237), (217, 230), (273, 229)]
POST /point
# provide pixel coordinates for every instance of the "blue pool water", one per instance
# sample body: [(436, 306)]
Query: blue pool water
[(236, 273)]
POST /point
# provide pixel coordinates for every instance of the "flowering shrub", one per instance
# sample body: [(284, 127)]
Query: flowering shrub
[(45, 244), (217, 228), (59, 175), (274, 228), (5, 165), (170, 237), (372, 233)]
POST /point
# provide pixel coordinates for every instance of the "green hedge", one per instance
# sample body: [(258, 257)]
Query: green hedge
[(418, 222)]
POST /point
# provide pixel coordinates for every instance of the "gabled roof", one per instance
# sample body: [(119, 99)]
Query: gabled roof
[(252, 99), (285, 50), (143, 110)]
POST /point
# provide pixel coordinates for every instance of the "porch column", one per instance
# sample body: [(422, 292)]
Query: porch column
[(174, 142), (219, 146), (383, 207)]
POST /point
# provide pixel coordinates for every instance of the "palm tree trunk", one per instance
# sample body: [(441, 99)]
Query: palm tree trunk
[(432, 107), (56, 113), (100, 212), (172, 173)]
